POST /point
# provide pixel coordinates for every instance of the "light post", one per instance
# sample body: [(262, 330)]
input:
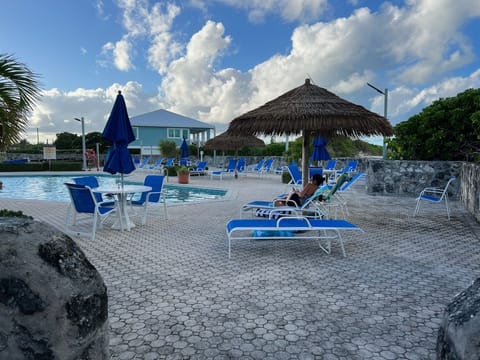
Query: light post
[(97, 147), (385, 108), (84, 149)]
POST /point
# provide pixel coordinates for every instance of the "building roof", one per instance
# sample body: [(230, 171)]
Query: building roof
[(164, 118)]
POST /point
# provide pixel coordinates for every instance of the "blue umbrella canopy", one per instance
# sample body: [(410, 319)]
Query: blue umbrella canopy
[(320, 151), (119, 132), (184, 149)]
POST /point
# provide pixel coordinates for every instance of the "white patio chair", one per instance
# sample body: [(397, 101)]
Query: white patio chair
[(434, 195), (84, 203)]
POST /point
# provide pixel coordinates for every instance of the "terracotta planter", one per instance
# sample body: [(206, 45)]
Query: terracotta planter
[(183, 178)]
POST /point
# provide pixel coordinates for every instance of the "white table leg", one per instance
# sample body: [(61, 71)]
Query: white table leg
[(123, 221)]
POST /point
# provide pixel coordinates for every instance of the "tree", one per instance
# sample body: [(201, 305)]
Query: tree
[(449, 129), (19, 91), (67, 141), (168, 148), (92, 138)]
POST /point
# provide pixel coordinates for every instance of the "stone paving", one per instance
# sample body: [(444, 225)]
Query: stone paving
[(174, 294)]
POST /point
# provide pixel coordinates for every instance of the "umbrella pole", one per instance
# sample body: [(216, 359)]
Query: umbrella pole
[(306, 142)]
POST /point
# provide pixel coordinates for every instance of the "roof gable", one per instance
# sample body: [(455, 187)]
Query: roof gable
[(165, 118)]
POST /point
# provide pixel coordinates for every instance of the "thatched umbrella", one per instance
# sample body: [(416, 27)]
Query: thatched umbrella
[(227, 141), (310, 110)]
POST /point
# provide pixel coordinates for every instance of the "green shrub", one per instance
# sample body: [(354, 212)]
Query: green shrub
[(42, 166), (286, 178), (11, 213)]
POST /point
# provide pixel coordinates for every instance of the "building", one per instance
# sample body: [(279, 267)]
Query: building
[(156, 126)]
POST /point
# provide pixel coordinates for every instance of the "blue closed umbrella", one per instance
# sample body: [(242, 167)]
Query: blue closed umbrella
[(118, 131), (320, 149), (184, 149)]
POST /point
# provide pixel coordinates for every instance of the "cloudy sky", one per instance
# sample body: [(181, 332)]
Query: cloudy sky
[(215, 59)]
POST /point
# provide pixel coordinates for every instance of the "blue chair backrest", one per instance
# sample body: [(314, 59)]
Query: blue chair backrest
[(241, 164), (268, 165), (259, 165), (82, 198), (352, 165), (183, 162), (331, 165), (159, 162), (169, 161), (232, 165), (314, 170), (91, 182), (156, 183), (144, 162), (295, 173), (201, 165)]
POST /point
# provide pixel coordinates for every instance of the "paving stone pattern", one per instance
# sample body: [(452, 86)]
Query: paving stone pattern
[(174, 294)]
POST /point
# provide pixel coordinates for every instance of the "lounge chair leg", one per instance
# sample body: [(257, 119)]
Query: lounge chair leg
[(341, 243)]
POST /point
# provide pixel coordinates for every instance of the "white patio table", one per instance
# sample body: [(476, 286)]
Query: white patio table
[(123, 221)]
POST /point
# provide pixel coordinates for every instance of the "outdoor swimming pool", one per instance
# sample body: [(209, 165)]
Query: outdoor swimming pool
[(51, 187)]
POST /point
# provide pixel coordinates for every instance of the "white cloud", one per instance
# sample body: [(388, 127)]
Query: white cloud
[(303, 10), (427, 36), (193, 86), (410, 101), (55, 112), (164, 48), (121, 55), (140, 22)]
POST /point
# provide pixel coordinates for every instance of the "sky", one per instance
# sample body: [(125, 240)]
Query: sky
[(213, 60)]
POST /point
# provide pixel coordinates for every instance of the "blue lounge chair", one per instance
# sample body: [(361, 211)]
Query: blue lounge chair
[(230, 170), (267, 166), (200, 169), (312, 170), (241, 166), (350, 168), (149, 197), (144, 164), (157, 165), (83, 202), (170, 162), (256, 168), (289, 228), (310, 207), (184, 162), (330, 165), (295, 174), (330, 169), (434, 195)]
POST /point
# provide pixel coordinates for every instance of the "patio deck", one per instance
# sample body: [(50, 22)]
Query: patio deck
[(174, 294)]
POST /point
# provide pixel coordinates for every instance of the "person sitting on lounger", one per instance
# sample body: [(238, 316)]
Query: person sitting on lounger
[(298, 196)]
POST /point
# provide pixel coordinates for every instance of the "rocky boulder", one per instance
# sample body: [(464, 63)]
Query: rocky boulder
[(459, 333), (53, 302)]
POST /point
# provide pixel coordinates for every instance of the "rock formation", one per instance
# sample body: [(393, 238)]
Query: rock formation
[(53, 302), (459, 333)]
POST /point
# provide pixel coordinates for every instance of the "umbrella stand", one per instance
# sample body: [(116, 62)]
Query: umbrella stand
[(306, 142)]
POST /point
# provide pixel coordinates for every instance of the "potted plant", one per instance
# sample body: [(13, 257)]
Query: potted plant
[(183, 175)]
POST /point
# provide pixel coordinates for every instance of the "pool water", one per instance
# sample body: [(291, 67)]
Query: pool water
[(51, 187)]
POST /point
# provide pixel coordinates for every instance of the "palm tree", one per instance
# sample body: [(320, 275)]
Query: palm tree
[(19, 91)]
